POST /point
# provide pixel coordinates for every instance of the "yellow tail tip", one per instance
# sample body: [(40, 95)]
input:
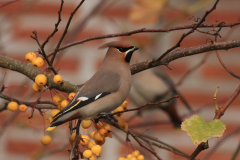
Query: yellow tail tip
[(50, 128)]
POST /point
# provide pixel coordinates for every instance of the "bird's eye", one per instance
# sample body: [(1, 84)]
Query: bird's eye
[(121, 49)]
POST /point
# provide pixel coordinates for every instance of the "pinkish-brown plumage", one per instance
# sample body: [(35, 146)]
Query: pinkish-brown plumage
[(115, 44)]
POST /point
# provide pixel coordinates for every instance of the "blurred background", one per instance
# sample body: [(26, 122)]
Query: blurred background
[(20, 137)]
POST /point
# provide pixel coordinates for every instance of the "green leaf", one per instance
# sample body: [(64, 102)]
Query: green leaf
[(200, 131)]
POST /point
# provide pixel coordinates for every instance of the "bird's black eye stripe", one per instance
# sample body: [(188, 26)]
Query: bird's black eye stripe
[(121, 49)]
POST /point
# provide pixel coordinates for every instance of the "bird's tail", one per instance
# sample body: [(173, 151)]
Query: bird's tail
[(173, 115)]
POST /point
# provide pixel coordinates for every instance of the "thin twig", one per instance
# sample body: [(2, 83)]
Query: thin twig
[(144, 146), (148, 104), (38, 106), (65, 31), (56, 26), (42, 52), (142, 30), (163, 147), (188, 33), (73, 148), (228, 70)]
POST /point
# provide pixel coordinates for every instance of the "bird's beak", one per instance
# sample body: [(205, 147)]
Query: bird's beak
[(135, 48)]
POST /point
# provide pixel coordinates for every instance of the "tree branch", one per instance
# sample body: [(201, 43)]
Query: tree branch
[(65, 31), (39, 105), (142, 30), (28, 70), (31, 72)]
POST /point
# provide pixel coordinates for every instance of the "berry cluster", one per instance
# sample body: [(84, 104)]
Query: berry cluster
[(134, 156)]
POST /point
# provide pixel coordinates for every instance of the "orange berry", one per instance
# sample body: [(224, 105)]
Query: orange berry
[(58, 98), (107, 127), (46, 140), (136, 153), (133, 158), (97, 149), (121, 158), (64, 103), (37, 88), (54, 112), (124, 104), (93, 157), (22, 108), (12, 106), (41, 80), (71, 96), (87, 153), (85, 141), (119, 109), (92, 134), (100, 142), (140, 157), (57, 79), (38, 62), (86, 124), (121, 122), (98, 137), (129, 156), (91, 144), (103, 132), (30, 56)]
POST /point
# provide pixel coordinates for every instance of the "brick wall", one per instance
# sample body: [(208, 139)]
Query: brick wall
[(21, 140)]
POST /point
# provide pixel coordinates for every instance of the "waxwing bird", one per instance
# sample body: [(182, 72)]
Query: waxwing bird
[(105, 90)]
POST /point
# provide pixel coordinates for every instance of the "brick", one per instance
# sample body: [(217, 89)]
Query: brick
[(21, 147), (11, 8), (218, 72), (191, 40), (226, 16), (24, 34), (25, 147), (202, 98), (41, 9), (116, 12), (51, 9)]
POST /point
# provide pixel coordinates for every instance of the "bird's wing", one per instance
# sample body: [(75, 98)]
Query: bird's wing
[(94, 89), (80, 102)]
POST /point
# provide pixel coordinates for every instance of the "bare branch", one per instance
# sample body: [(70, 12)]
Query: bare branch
[(31, 72), (38, 105), (183, 53), (148, 104), (28, 70), (65, 31), (228, 70), (56, 26), (188, 33), (142, 30), (222, 110)]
